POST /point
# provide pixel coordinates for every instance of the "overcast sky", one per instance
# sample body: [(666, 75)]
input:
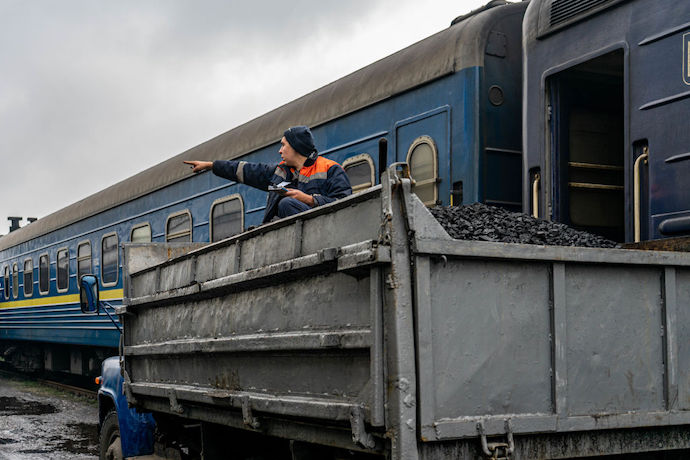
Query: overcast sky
[(92, 92)]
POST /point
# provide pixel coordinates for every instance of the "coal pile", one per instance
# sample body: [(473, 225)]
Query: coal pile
[(480, 222)]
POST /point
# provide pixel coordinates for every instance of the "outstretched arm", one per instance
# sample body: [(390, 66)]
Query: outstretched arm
[(256, 175), (199, 166)]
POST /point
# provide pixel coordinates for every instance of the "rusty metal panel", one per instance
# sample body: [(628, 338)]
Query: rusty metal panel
[(681, 244)]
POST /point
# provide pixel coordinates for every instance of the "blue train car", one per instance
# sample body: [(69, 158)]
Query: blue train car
[(448, 105), (607, 97)]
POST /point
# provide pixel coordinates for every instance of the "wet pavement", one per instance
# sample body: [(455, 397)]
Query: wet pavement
[(38, 422)]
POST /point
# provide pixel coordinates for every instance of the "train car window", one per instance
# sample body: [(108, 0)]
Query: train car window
[(62, 270), (178, 228), (109, 260), (7, 282), (28, 278), (423, 160), (84, 259), (141, 233), (15, 281), (44, 274), (227, 217), (360, 171)]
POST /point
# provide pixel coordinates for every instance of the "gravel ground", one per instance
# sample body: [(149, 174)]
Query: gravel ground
[(480, 222), (37, 423)]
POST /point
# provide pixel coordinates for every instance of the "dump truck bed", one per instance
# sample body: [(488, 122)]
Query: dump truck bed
[(363, 325)]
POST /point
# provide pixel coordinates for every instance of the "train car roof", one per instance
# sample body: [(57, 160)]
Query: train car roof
[(550, 16), (459, 46)]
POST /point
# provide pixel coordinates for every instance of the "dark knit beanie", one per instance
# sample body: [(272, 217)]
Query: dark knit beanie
[(300, 139)]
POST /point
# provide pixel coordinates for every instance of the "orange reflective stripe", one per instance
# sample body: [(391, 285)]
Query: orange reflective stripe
[(321, 165)]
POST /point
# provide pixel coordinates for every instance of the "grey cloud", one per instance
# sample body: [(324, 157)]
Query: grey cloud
[(92, 92)]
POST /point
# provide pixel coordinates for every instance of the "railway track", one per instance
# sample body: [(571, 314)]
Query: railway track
[(74, 389)]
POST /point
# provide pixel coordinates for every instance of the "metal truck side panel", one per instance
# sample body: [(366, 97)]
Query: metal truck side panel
[(679, 397), (486, 317), (364, 317), (549, 339), (273, 322), (614, 339), (270, 244)]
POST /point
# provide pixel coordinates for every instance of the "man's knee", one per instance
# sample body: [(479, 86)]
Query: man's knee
[(290, 206)]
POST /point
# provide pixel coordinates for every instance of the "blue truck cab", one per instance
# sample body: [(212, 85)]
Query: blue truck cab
[(121, 429)]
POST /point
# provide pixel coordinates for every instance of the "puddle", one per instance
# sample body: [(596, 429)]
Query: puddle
[(84, 440), (35, 426), (16, 406)]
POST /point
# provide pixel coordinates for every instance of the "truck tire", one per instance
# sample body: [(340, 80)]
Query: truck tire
[(109, 440)]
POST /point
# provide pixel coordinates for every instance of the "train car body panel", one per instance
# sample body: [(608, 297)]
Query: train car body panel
[(606, 85)]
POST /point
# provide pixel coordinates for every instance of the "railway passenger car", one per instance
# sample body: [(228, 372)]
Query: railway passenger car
[(448, 105), (607, 99)]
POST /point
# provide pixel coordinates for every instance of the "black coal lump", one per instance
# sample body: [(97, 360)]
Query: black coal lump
[(480, 222)]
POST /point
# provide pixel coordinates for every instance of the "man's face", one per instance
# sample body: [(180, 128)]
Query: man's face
[(289, 155)]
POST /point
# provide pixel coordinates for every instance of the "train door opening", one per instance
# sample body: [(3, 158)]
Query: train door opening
[(587, 146)]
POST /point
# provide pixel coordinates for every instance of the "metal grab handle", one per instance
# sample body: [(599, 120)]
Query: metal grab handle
[(535, 195), (636, 185)]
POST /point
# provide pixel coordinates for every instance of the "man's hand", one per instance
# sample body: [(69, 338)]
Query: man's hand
[(301, 196), (199, 166)]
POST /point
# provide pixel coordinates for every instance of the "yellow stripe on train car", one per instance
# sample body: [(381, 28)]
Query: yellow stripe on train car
[(110, 294)]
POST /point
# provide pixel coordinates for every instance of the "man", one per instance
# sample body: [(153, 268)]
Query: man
[(312, 180)]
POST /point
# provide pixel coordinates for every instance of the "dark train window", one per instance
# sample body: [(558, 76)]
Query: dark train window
[(109, 259), (360, 171), (7, 282), (178, 228), (28, 278), (44, 274), (141, 234), (227, 217), (84, 259), (15, 281), (62, 269), (422, 158)]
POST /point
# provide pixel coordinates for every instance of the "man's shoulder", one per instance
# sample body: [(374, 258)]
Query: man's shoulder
[(327, 161), (323, 164)]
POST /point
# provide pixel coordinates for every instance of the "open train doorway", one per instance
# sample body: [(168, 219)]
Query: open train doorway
[(587, 145)]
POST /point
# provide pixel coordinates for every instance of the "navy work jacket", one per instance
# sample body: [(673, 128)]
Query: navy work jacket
[(325, 180)]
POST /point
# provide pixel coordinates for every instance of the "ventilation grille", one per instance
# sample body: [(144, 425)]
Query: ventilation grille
[(563, 10)]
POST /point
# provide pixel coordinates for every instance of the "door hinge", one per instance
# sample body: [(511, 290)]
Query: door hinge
[(359, 432), (497, 450)]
